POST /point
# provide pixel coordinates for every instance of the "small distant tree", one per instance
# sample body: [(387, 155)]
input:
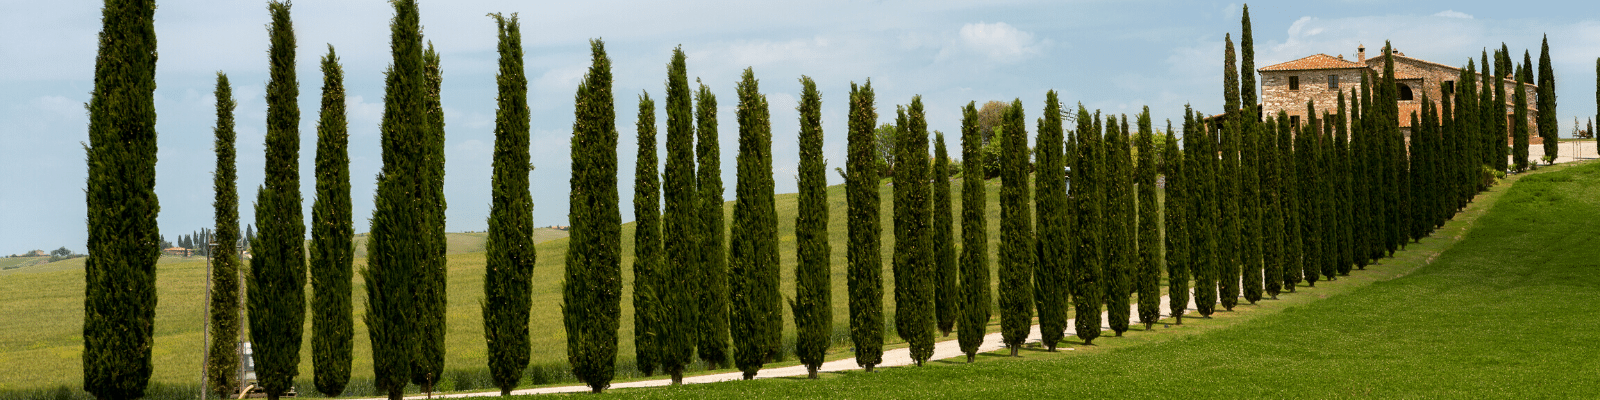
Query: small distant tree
[(990, 117), (885, 138)]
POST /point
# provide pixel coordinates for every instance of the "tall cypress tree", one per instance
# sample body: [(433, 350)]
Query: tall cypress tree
[(1050, 274), (1328, 208), (1016, 233), (1305, 150), (1120, 256), (1230, 185), (1251, 247), (1547, 103), (508, 274), (865, 278), (753, 245), (427, 366), (1202, 226), (1519, 125), (1387, 121), (1289, 197), (1247, 66), (1088, 286), (1341, 189), (1176, 210), (1147, 277), (120, 274), (677, 309), (332, 245), (394, 249), (975, 297), (278, 271), (649, 286), (914, 314), (712, 339), (222, 362), (813, 306), (1272, 234), (946, 294), (592, 285), (1502, 74)]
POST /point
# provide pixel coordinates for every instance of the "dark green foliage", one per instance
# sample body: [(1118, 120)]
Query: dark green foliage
[(1147, 275), (812, 306), (712, 345), (1519, 126), (975, 298), (1250, 206), (1247, 66), (1496, 109), (1547, 103), (865, 279), (677, 308), (1118, 226), (754, 313), (1050, 274), (1230, 187), (913, 255), (277, 281), (394, 249), (1176, 211), (1200, 144), (1272, 208), (592, 285), (649, 286), (1311, 207), (427, 366), (332, 244), (124, 241), (1289, 200), (1327, 206), (510, 255), (1386, 120), (1343, 207), (222, 364), (1230, 76), (1016, 233), (1088, 202), (946, 294)]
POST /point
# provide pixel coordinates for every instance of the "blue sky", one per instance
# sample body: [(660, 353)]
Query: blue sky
[(1112, 55)]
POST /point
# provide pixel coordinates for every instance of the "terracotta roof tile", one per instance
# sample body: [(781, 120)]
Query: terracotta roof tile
[(1313, 62)]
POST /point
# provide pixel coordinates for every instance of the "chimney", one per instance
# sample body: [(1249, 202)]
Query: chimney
[(1361, 53)]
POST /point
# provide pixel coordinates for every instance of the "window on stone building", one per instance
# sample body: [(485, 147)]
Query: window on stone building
[(1450, 86), (1294, 83), (1333, 81), (1294, 120), (1405, 91)]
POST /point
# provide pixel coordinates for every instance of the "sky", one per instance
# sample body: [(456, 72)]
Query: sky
[(1116, 56)]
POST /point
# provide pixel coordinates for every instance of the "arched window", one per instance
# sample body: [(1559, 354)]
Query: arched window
[(1405, 91)]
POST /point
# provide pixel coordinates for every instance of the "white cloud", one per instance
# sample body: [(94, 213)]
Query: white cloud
[(999, 42), (1453, 14)]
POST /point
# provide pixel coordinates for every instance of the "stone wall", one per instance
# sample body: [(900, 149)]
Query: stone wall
[(1277, 96)]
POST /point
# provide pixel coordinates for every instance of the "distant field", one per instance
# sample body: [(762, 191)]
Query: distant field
[(8, 264), (461, 243)]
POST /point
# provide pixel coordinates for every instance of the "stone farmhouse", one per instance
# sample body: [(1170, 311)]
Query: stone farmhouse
[(1320, 78)]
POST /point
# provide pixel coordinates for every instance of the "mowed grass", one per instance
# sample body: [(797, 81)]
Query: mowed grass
[(1500, 303), (42, 346)]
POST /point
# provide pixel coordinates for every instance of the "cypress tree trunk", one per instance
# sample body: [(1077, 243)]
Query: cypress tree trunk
[(1148, 279), (222, 364), (1050, 274), (508, 275), (676, 332), (1016, 233), (712, 329), (1176, 210), (427, 366), (1519, 126), (1547, 103), (865, 279), (813, 306), (649, 286), (945, 275), (393, 251), (278, 271), (120, 274), (752, 250), (592, 285), (332, 243), (914, 313), (1088, 200), (975, 297)]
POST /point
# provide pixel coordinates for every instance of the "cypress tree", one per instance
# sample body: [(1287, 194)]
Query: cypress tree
[(865, 278), (974, 285), (1343, 225), (1230, 186), (1502, 72), (1147, 280), (332, 245), (592, 285), (222, 362), (1250, 246), (1203, 225), (813, 309), (1088, 286), (649, 286), (1176, 211), (1119, 227), (1596, 97), (120, 273), (914, 314), (1272, 234), (1016, 233), (508, 274), (1519, 126), (1289, 198), (1327, 202), (1547, 103), (712, 339), (277, 281), (1050, 274), (427, 366), (1390, 140), (1305, 150), (1247, 66), (946, 294), (753, 245), (675, 288)]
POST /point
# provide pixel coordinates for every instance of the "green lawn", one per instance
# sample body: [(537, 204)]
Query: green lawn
[(1498, 304)]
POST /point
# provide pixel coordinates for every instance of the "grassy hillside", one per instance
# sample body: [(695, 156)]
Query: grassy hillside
[(1498, 304), (42, 351)]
